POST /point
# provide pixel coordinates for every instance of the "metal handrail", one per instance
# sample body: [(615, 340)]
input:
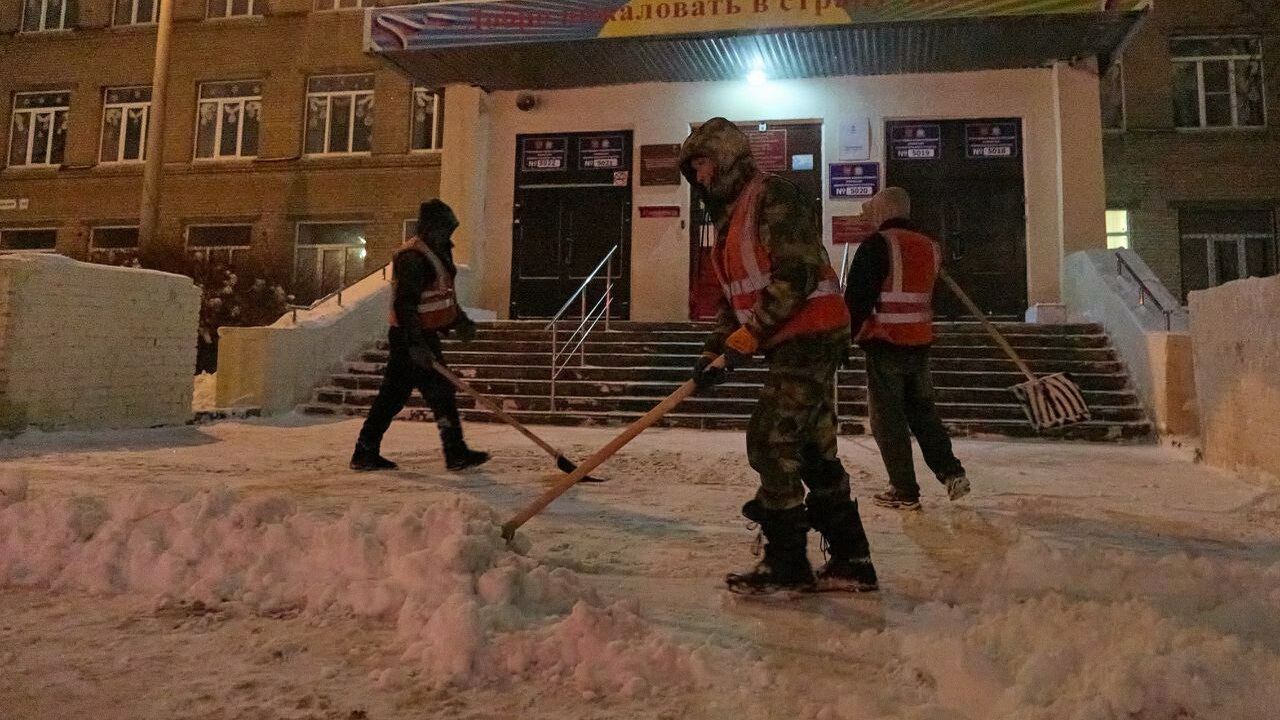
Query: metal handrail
[(336, 293), (576, 342), (1144, 292)]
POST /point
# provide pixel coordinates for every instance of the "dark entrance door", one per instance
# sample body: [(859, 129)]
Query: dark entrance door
[(572, 205), (792, 150), (966, 186)]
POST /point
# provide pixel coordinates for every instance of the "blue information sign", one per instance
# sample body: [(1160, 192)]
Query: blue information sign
[(991, 140), (544, 154), (853, 180), (921, 141), (601, 152)]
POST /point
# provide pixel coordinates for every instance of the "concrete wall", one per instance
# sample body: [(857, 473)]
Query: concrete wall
[(1159, 360), (275, 367), (1062, 155), (1235, 332), (85, 347)]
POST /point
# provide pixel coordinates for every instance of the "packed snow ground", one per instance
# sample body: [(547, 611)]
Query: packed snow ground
[(240, 571)]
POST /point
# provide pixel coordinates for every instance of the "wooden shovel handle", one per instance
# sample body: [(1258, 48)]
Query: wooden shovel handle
[(604, 453), (986, 324), (494, 408)]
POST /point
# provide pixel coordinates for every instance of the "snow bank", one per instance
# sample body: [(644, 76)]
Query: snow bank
[(467, 609)]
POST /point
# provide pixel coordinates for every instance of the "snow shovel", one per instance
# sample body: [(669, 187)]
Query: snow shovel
[(684, 391), (562, 462), (1052, 401)]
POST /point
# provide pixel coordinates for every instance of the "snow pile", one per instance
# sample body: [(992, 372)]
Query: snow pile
[(467, 609), (1050, 634), (205, 395)]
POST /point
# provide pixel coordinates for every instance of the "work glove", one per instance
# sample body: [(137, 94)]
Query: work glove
[(422, 356), (705, 376), (739, 347), (466, 329)]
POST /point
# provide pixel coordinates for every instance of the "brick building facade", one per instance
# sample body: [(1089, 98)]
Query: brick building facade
[(287, 149), (1193, 143)]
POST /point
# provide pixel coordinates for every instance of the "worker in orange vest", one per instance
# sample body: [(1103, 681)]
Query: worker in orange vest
[(781, 298), (890, 298), (423, 305)]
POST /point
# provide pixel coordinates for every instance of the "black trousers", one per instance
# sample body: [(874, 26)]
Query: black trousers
[(900, 396), (399, 380)]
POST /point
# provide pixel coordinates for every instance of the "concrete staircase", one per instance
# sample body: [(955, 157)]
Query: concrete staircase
[(629, 369)]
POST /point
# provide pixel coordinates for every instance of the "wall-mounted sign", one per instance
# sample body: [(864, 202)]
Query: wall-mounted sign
[(802, 162), (659, 211), (769, 148), (855, 139), (659, 165), (601, 152), (544, 154), (922, 141), (991, 140), (853, 181), (850, 229), (621, 178), (8, 203)]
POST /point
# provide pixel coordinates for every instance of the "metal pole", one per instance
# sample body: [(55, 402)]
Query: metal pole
[(582, 325), (608, 294), (149, 216), (552, 399)]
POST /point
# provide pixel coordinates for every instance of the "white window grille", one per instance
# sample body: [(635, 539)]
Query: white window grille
[(125, 118), (1117, 229), (113, 244), (1218, 82), (45, 15), (231, 8), (218, 245), (1221, 245), (427, 119), (135, 12), (41, 240), (328, 256), (339, 115), (228, 120), (38, 131), (327, 5)]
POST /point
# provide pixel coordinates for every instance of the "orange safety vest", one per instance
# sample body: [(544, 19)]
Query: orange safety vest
[(743, 267), (438, 306), (904, 312)]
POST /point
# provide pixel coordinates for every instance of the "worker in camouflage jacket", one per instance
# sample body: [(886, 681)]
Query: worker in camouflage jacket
[(781, 299)]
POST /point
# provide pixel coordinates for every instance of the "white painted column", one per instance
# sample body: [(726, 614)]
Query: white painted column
[(463, 179), (1082, 191)]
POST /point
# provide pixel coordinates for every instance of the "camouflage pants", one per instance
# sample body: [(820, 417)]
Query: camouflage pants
[(791, 440)]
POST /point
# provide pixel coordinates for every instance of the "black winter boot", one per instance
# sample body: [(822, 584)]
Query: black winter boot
[(850, 568), (457, 456), (366, 459), (785, 566)]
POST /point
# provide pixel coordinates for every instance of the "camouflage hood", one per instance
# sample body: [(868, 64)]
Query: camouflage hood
[(722, 142)]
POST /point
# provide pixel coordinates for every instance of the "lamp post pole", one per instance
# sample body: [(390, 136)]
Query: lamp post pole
[(149, 217)]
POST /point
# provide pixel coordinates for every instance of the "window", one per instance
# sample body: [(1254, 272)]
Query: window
[(1219, 246), (339, 114), (28, 240), (228, 120), (125, 117), (322, 5), (329, 256), (218, 245), (1117, 229), (38, 134), (427, 119), (231, 8), (136, 12), (1217, 82), (410, 228), (44, 15), (113, 244), (1113, 98)]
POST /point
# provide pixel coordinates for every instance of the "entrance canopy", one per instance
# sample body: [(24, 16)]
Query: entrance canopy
[(546, 44)]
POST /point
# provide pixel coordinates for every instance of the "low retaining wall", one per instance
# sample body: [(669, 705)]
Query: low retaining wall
[(92, 347), (1235, 331)]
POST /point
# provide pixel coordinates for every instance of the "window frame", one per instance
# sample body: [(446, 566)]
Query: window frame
[(1199, 61), (329, 95), (228, 15), (243, 100), (232, 251), (45, 251), (32, 112), (109, 252), (360, 5), (124, 108), (44, 13), (319, 248), (1127, 234), (115, 21), (437, 122)]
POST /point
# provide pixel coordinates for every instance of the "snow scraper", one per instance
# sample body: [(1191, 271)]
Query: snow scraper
[(562, 462), (644, 423), (1052, 401)]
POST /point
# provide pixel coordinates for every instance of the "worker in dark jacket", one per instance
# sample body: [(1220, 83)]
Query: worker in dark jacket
[(890, 298), (423, 305), (782, 299)]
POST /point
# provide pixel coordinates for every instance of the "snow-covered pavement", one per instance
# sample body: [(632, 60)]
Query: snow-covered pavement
[(238, 570)]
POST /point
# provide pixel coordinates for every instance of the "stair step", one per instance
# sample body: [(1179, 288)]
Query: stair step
[(651, 357)]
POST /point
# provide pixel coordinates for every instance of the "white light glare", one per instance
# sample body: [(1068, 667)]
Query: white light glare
[(757, 77)]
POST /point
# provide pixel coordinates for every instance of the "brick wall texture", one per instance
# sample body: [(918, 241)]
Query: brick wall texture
[(87, 347)]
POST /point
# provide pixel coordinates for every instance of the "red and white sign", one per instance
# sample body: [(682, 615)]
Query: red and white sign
[(659, 211), (850, 229)]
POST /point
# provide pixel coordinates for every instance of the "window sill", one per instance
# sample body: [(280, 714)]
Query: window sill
[(327, 157), (231, 161), (60, 32), (132, 27), (1250, 129), (33, 169), (429, 151), (236, 18)]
